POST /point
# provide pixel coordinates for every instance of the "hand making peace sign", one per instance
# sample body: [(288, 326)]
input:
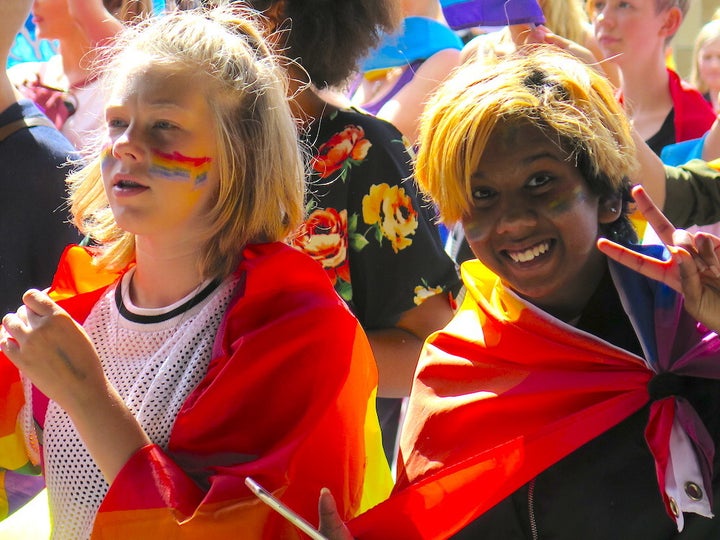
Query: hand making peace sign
[(693, 269)]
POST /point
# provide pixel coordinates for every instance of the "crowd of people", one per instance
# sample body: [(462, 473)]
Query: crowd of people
[(414, 284)]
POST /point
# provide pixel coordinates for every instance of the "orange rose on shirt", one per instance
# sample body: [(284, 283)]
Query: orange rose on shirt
[(342, 150), (323, 236)]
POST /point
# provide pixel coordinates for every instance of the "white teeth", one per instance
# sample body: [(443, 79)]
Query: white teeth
[(529, 254)]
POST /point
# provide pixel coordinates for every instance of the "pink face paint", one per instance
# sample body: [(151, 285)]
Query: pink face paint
[(178, 167)]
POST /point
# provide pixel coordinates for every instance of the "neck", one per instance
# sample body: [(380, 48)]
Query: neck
[(644, 82), (308, 103), (74, 55), (163, 275)]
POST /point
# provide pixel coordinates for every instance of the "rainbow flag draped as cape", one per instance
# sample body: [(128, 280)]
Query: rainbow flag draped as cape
[(289, 399), (534, 389)]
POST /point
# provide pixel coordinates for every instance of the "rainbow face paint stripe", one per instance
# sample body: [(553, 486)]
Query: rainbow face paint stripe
[(179, 167), (565, 201), (106, 155)]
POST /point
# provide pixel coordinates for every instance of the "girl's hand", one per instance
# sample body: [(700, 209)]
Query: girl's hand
[(693, 269), (56, 354), (53, 351)]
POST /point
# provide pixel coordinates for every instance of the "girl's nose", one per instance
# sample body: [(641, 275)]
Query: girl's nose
[(515, 218), (128, 145)]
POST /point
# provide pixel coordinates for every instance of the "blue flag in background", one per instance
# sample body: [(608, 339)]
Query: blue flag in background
[(466, 13)]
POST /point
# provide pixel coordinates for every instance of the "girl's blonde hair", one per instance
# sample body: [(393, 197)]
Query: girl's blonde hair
[(571, 102), (259, 162), (129, 10), (709, 32), (567, 18)]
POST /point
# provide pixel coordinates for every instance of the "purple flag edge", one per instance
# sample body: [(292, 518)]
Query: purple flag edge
[(468, 14)]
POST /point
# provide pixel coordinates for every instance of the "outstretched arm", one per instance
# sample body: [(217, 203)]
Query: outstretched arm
[(693, 269)]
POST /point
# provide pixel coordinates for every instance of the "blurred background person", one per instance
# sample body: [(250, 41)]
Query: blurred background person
[(65, 87), (705, 73), (398, 77)]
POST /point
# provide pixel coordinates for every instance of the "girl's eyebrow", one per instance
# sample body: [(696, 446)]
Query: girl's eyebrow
[(529, 160)]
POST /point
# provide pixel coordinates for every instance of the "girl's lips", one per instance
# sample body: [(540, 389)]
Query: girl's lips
[(606, 40), (127, 191), (124, 185)]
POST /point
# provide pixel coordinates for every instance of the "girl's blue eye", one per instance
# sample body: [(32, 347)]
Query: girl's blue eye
[(116, 123), (163, 124)]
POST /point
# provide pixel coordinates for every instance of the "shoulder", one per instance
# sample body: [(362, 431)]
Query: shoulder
[(359, 129), (682, 88), (275, 268), (439, 65), (283, 287), (30, 142), (373, 126)]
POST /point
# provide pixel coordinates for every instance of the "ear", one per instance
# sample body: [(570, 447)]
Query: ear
[(673, 20), (276, 14), (609, 209)]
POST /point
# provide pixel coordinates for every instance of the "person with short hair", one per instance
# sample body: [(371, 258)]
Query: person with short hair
[(570, 397), (635, 35)]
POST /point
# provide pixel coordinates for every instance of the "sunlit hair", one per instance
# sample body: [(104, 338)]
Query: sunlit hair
[(663, 5), (128, 10), (709, 32), (570, 102), (566, 18), (261, 177)]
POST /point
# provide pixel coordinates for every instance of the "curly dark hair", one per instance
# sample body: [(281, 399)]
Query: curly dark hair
[(329, 38)]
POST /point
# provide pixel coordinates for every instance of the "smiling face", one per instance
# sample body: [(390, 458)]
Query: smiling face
[(534, 221), (159, 167)]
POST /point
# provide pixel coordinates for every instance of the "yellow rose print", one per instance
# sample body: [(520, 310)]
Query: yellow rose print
[(423, 292), (391, 211)]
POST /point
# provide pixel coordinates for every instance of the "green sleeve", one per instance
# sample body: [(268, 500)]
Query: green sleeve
[(693, 194)]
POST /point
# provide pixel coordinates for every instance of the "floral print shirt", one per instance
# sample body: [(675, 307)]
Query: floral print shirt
[(367, 224)]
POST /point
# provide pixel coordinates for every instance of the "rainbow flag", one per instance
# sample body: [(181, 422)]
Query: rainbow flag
[(280, 402), (534, 390)]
